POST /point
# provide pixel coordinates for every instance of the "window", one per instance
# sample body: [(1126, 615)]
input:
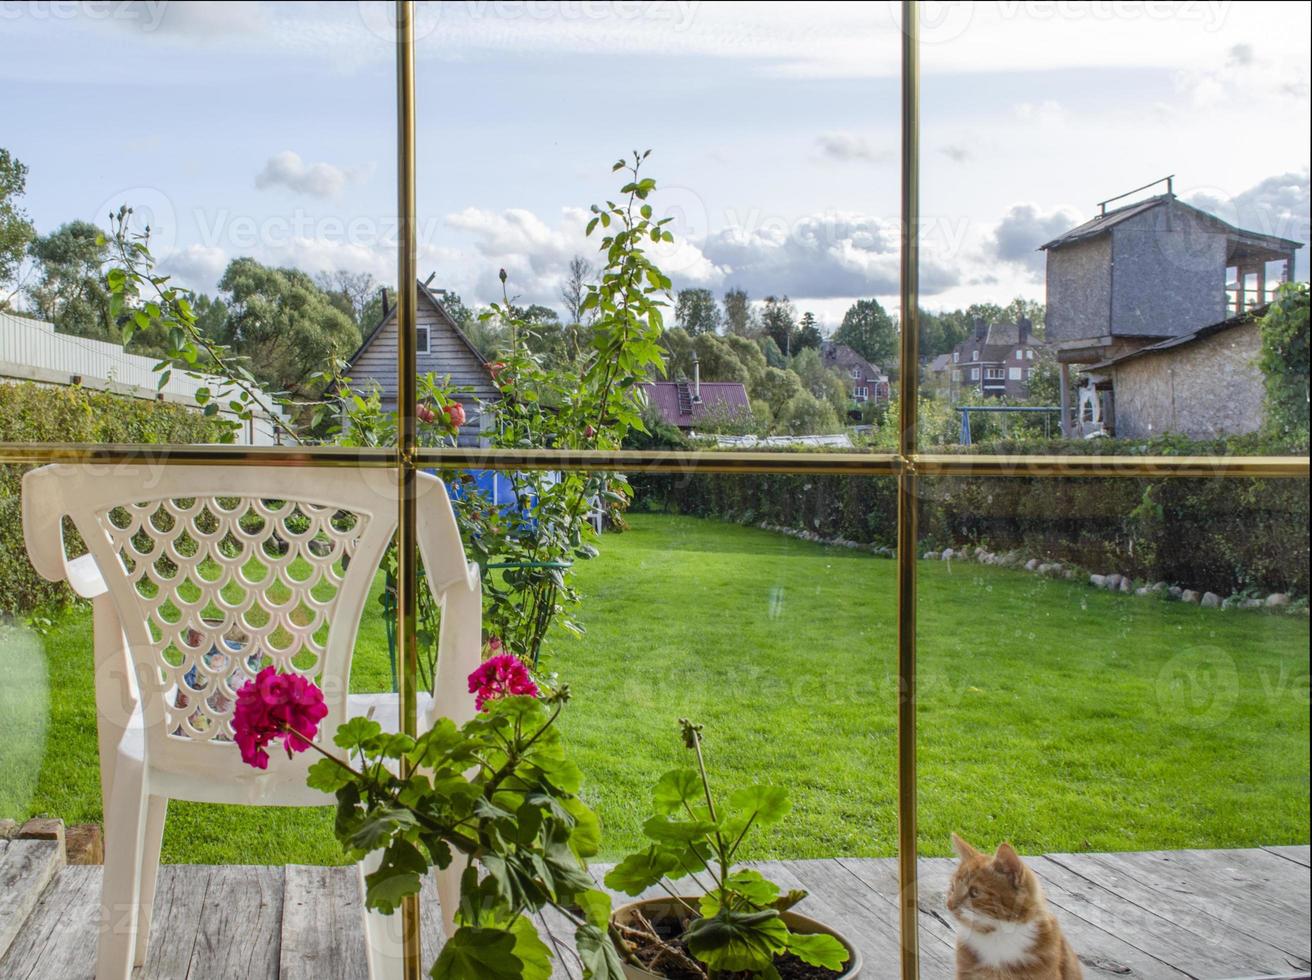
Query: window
[(956, 375), (974, 374), (1029, 354), (862, 392), (856, 374), (956, 356), (1013, 374), (994, 374), (1020, 354), (974, 355), (421, 339)]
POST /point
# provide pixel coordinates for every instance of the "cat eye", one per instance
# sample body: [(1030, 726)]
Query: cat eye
[(973, 892)]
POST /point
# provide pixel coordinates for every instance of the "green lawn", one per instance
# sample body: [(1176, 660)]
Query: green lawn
[(1055, 715)]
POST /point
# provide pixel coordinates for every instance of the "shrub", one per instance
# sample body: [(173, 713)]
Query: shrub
[(1226, 535), (47, 414), (1284, 362)]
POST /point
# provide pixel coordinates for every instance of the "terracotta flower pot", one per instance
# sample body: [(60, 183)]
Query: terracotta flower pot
[(662, 908)]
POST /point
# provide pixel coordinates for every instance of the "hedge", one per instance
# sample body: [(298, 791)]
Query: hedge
[(1227, 536), (45, 414)]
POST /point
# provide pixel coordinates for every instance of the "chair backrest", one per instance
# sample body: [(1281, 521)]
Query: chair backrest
[(216, 572)]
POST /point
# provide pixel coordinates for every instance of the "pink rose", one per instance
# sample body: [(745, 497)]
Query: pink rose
[(502, 676), (455, 414), (425, 414), (276, 706)]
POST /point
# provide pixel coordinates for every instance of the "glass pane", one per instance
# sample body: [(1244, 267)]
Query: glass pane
[(1057, 281), (1114, 679), (278, 213)]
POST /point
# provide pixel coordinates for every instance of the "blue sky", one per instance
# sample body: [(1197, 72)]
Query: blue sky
[(268, 129)]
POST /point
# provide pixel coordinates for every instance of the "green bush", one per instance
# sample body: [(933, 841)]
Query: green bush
[(47, 414), (1284, 361), (1228, 536)]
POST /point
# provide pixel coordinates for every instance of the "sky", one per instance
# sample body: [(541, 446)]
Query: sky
[(269, 129)]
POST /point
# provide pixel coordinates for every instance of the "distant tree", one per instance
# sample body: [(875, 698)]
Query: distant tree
[(749, 353), (869, 330), (16, 230), (282, 323), (779, 321), (1032, 308), (774, 357), (808, 333), (1284, 363), (739, 318), (678, 346), (351, 292), (575, 288), (69, 289), (717, 360), (806, 415), (776, 386), (1045, 383), (826, 384), (697, 312)]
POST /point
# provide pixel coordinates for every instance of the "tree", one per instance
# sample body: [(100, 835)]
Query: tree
[(717, 360), (749, 353), (826, 384), (282, 323), (15, 230), (739, 318), (808, 333), (678, 358), (575, 288), (351, 292), (1284, 363), (70, 290), (776, 386), (774, 357), (697, 312), (779, 321), (869, 330), (806, 415)]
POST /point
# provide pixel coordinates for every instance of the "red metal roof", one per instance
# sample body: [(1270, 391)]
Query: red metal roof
[(719, 399)]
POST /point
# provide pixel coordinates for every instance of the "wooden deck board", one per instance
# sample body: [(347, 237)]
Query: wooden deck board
[(1172, 915)]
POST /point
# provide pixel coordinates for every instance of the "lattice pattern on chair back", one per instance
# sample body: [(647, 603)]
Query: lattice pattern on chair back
[(226, 586)]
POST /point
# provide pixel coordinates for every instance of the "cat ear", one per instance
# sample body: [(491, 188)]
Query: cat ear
[(1008, 862), (963, 848)]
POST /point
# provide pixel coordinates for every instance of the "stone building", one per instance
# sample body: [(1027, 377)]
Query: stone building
[(1204, 385), (1135, 276)]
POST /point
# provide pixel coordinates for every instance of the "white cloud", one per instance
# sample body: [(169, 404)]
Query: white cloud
[(287, 169), (197, 267)]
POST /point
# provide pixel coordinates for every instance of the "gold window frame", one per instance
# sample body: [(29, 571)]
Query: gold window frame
[(908, 465)]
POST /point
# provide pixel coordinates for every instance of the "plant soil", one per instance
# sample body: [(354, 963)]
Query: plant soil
[(665, 954)]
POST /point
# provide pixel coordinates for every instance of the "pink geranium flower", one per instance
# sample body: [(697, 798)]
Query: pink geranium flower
[(276, 706), (502, 676)]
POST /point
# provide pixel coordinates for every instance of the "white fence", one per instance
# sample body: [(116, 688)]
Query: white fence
[(31, 350)]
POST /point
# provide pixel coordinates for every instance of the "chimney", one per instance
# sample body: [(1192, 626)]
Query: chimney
[(1023, 325), (383, 293), (696, 378), (981, 328)]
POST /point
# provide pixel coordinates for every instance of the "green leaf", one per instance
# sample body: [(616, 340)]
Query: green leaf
[(750, 886), (356, 731), (479, 954), (530, 950), (328, 776), (818, 949), (585, 838), (667, 831), (596, 906), (677, 789), (733, 941), (600, 959), (399, 874), (638, 872), (763, 805)]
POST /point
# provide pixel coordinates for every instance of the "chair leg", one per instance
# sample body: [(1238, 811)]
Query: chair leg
[(120, 897), (156, 809), (384, 948)]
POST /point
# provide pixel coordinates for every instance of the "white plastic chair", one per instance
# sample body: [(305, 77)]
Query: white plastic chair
[(199, 576)]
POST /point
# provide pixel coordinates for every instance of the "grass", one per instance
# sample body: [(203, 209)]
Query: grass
[(1061, 717)]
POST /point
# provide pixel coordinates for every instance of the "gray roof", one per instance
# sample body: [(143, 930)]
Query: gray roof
[(1189, 338), (1105, 222)]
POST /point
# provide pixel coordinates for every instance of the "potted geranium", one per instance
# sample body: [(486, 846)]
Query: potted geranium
[(497, 794), (742, 925)]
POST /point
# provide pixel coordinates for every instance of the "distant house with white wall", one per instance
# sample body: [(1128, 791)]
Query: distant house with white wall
[(442, 349), (31, 350)]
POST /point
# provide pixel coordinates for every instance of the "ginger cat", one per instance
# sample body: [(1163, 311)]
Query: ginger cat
[(1004, 928)]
